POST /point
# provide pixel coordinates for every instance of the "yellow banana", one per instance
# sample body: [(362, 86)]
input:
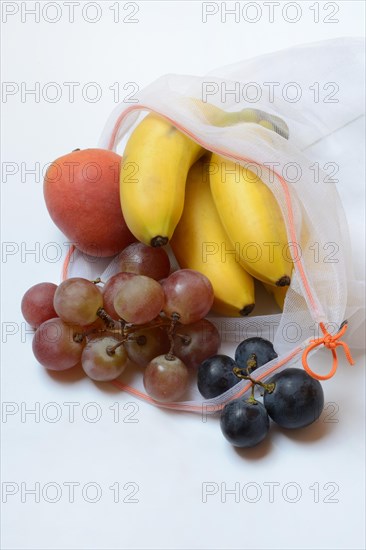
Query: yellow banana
[(252, 220), (218, 117), (154, 170), (200, 242), (278, 292)]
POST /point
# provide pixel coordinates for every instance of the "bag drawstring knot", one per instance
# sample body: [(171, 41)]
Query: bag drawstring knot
[(330, 341)]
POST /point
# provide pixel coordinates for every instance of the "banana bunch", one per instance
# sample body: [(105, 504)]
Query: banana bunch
[(219, 217)]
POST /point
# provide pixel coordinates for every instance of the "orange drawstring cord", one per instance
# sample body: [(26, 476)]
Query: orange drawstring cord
[(67, 261), (331, 342)]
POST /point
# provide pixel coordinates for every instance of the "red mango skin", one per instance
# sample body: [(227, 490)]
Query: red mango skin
[(81, 191)]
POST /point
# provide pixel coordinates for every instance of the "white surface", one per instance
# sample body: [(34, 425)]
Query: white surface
[(169, 456)]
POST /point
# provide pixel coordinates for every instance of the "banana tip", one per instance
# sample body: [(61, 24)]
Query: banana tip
[(284, 281), (159, 241), (246, 310)]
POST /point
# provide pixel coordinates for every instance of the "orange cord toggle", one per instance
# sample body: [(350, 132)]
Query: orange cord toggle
[(331, 342)]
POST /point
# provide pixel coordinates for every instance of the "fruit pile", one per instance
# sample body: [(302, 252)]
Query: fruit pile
[(225, 228), (219, 217)]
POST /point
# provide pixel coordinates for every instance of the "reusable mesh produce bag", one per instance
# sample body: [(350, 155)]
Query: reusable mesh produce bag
[(310, 94)]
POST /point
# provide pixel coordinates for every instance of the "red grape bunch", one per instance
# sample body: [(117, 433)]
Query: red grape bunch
[(143, 314)]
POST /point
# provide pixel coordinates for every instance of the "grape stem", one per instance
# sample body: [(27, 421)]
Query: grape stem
[(186, 339), (252, 400), (111, 350), (251, 364), (97, 281), (108, 320), (158, 322), (123, 329), (174, 320), (95, 331)]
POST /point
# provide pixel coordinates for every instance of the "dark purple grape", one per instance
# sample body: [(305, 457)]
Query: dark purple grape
[(297, 399), (244, 424), (215, 376), (261, 348)]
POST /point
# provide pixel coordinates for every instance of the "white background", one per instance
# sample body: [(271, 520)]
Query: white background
[(167, 456)]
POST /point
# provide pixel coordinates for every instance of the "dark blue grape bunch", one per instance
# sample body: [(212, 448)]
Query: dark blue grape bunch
[(291, 398)]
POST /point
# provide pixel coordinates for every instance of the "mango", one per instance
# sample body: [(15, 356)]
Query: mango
[(81, 191)]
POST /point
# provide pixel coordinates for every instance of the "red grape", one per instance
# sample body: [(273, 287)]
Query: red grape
[(141, 259), (147, 344), (189, 294), (37, 304), (110, 289), (196, 342), (99, 363), (57, 345), (77, 301), (139, 300), (166, 379)]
